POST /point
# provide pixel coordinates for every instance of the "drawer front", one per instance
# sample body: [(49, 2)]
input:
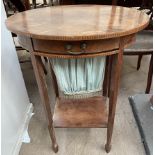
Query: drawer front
[(72, 47), (75, 47)]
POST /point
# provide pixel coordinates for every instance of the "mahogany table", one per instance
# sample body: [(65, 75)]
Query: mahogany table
[(75, 32)]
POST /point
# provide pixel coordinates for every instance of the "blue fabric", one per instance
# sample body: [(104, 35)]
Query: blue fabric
[(79, 76)]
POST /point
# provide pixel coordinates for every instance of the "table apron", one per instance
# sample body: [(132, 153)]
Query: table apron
[(74, 48)]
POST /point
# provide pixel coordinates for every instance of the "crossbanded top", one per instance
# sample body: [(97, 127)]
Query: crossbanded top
[(78, 22)]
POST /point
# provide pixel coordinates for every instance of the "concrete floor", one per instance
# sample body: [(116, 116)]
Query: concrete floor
[(126, 138)]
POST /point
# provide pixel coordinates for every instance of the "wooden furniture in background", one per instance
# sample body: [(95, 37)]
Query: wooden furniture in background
[(27, 4), (143, 46), (126, 3), (12, 7), (150, 75), (19, 6), (144, 43), (104, 30)]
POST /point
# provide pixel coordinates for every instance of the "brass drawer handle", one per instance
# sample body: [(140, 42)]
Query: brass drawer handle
[(83, 46), (68, 47)]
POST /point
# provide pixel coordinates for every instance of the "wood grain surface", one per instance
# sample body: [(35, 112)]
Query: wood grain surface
[(78, 22), (88, 112)]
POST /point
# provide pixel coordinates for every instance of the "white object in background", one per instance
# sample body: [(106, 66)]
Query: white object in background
[(15, 104), (26, 137)]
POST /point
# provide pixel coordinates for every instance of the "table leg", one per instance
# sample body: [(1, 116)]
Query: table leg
[(45, 2), (106, 77), (139, 61), (40, 77), (106, 83), (27, 4), (109, 75), (150, 74), (54, 80), (44, 68), (114, 83)]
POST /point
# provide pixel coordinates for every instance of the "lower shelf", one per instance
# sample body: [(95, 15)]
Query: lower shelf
[(76, 113)]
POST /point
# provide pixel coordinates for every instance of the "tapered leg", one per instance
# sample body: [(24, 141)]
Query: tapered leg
[(53, 138), (109, 74), (34, 4), (115, 76), (27, 5), (45, 58), (150, 74), (43, 66), (106, 83), (106, 78), (139, 61), (40, 77), (54, 80), (45, 2)]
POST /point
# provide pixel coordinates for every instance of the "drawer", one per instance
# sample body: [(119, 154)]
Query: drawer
[(72, 47), (75, 47)]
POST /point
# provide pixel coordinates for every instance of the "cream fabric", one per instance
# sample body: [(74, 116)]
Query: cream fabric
[(79, 76)]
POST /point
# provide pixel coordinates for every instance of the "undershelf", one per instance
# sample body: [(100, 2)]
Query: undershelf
[(76, 113)]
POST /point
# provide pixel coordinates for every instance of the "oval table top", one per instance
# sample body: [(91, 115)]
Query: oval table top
[(78, 22)]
